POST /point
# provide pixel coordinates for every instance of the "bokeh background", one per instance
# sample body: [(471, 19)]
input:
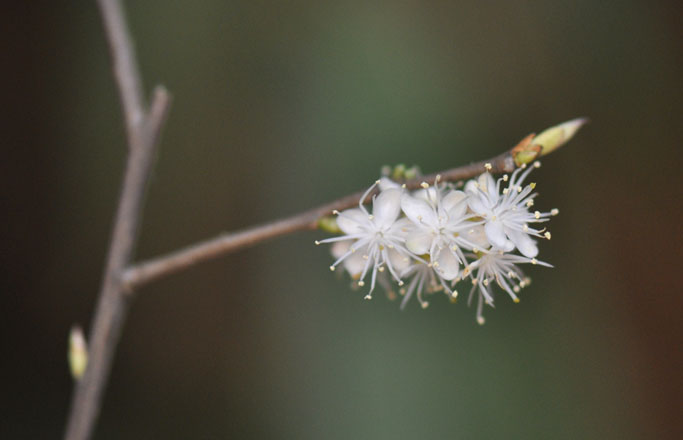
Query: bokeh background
[(280, 106)]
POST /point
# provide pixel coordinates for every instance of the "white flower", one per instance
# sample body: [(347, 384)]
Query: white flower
[(507, 215), (424, 280), (500, 267), (440, 219), (375, 241)]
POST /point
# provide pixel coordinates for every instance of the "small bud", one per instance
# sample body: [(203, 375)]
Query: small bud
[(554, 137), (329, 224), (78, 352)]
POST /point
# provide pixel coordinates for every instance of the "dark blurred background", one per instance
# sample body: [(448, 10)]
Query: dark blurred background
[(279, 107)]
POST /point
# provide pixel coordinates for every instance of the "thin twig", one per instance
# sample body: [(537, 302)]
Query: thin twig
[(147, 271), (143, 132)]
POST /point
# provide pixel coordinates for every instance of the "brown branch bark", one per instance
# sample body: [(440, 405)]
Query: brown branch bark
[(148, 271), (143, 129)]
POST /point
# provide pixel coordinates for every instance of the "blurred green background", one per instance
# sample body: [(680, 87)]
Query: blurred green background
[(280, 106)]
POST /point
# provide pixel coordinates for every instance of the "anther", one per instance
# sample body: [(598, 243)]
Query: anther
[(370, 217), (438, 178), (506, 190), (505, 177), (519, 189), (376, 182), (317, 243), (400, 282), (534, 261), (516, 289), (335, 212), (424, 185), (424, 305), (480, 320), (332, 268), (525, 228), (365, 257), (530, 203), (537, 164), (547, 235), (454, 294), (368, 297), (516, 300), (380, 269), (488, 166), (537, 214), (403, 186), (554, 211), (523, 166), (361, 283)]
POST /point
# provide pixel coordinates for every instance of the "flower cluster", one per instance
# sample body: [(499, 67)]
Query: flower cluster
[(431, 239)]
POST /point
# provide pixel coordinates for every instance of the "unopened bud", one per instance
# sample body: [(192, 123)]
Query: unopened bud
[(554, 137), (78, 352), (329, 224)]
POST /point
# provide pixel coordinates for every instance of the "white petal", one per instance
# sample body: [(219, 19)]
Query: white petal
[(477, 236), (419, 211), (398, 262), (477, 203), (471, 186), (496, 234), (419, 243), (455, 203), (402, 227), (339, 248), (448, 267), (352, 221), (387, 207), (386, 183), (525, 244), (355, 262)]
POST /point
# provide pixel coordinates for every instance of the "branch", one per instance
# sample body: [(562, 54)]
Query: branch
[(143, 130), (145, 272)]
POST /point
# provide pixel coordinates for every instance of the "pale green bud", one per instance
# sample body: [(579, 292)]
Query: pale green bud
[(532, 147), (329, 224), (78, 352), (554, 137)]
